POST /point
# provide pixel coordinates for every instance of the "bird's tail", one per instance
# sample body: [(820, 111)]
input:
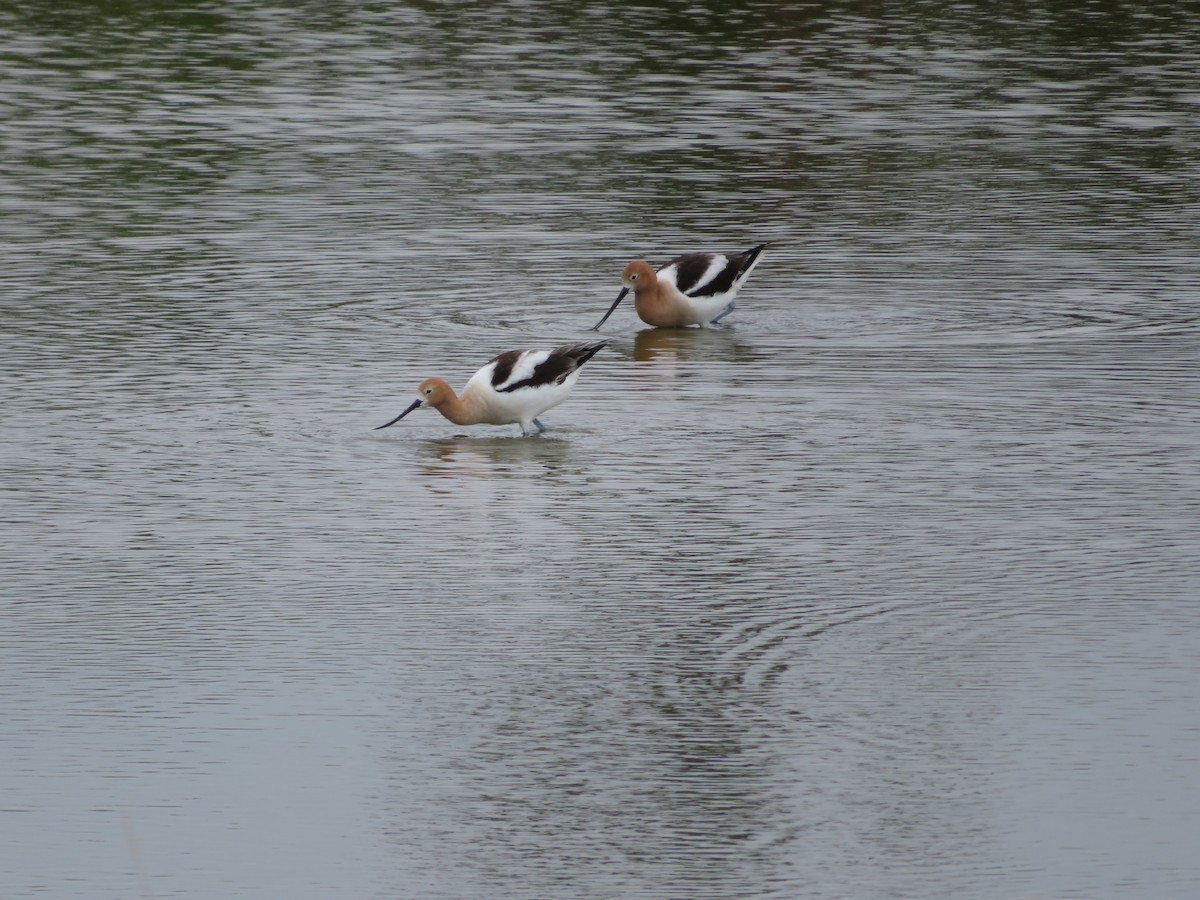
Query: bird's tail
[(750, 259), (581, 353)]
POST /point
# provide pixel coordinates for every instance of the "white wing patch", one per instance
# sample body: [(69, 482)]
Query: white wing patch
[(526, 363), (716, 265)]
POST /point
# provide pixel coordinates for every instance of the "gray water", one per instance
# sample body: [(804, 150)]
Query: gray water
[(886, 590)]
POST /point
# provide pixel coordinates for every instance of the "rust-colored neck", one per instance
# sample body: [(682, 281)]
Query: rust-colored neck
[(464, 410)]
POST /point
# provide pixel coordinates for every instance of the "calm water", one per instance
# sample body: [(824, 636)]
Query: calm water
[(888, 590)]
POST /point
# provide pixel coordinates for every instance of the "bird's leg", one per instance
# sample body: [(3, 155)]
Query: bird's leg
[(540, 426), (724, 312)]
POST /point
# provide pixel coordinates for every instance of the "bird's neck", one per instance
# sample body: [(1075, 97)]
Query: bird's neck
[(464, 410)]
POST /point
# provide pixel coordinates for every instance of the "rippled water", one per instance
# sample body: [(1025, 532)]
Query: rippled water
[(888, 589)]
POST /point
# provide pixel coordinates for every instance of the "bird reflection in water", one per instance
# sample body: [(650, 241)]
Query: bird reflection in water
[(684, 344), (491, 458)]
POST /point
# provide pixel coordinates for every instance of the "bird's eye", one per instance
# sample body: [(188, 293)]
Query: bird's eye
[(428, 391), (633, 277)]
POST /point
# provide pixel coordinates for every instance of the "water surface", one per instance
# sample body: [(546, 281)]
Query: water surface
[(887, 589)]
